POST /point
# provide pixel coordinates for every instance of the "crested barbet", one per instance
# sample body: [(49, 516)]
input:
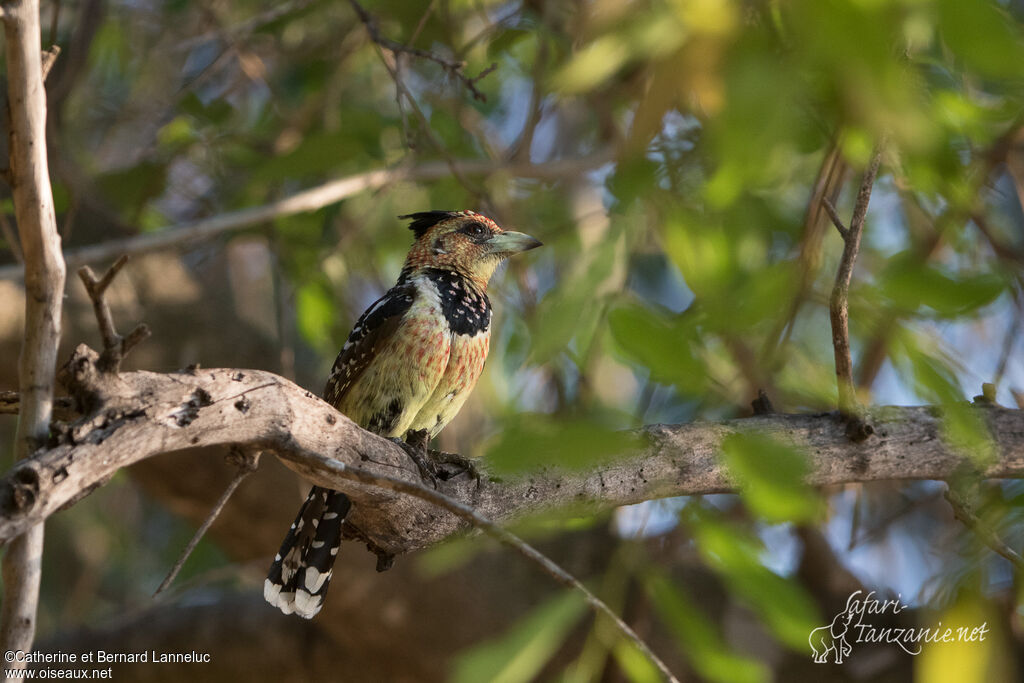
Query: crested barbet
[(407, 367)]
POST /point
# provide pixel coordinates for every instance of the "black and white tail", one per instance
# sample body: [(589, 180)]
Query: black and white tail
[(301, 572)]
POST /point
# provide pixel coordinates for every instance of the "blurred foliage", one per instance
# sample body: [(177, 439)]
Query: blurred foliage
[(771, 476), (682, 273), (521, 653)]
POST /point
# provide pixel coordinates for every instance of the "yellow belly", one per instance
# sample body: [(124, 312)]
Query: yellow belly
[(465, 364)]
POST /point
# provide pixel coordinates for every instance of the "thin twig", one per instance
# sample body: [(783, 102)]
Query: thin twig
[(962, 511), (389, 51), (986, 165), (839, 305), (244, 28), (1002, 250), (834, 215), (454, 67), (115, 347), (96, 289), (505, 537), (829, 182), (49, 58), (389, 62), (422, 22), (247, 463), (312, 199)]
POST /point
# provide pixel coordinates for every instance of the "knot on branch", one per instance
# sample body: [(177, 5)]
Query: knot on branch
[(20, 491), (115, 347), (762, 405), (245, 461), (82, 378), (857, 428)]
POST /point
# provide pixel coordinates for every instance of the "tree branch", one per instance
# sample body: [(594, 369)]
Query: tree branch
[(136, 415), (245, 464), (468, 514), (963, 512), (115, 347), (44, 285), (844, 232), (838, 302), (454, 67), (312, 199)]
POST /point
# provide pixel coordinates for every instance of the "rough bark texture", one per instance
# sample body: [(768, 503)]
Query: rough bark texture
[(44, 286), (135, 415)]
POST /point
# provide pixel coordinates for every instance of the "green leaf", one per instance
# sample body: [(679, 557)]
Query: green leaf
[(771, 476), (531, 441), (593, 65), (984, 36), (910, 284), (635, 664), (705, 649), (520, 654), (315, 311), (780, 602), (933, 378), (571, 311), (966, 430), (662, 345), (131, 188), (316, 154)]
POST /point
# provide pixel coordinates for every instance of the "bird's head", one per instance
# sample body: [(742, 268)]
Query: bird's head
[(463, 241)]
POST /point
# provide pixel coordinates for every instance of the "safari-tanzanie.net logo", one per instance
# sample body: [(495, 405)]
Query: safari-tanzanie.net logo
[(854, 625)]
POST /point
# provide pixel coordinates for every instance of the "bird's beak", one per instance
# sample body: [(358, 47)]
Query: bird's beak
[(510, 242)]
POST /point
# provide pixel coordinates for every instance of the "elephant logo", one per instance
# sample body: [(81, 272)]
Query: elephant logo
[(832, 638)]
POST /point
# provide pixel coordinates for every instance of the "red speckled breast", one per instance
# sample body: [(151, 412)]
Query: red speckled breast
[(465, 364)]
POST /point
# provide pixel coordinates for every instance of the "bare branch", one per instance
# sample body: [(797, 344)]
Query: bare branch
[(243, 29), (136, 415), (312, 199), (988, 536), (838, 304), (141, 414), (453, 67), (96, 289), (44, 285), (831, 177), (836, 220), (506, 537), (115, 347), (246, 463)]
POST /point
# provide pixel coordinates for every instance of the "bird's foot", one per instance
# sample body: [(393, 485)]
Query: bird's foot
[(458, 464), (419, 455)]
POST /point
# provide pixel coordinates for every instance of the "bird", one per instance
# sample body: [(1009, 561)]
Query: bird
[(406, 369)]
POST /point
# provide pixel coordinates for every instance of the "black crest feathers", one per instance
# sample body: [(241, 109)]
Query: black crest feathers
[(425, 220)]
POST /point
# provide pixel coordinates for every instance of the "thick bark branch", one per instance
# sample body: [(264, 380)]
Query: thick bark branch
[(136, 415), (44, 286)]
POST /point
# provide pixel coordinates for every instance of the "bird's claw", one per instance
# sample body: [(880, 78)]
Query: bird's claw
[(460, 464), (433, 464), (427, 470)]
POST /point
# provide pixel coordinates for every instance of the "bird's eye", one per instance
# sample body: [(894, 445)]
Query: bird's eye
[(475, 229)]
